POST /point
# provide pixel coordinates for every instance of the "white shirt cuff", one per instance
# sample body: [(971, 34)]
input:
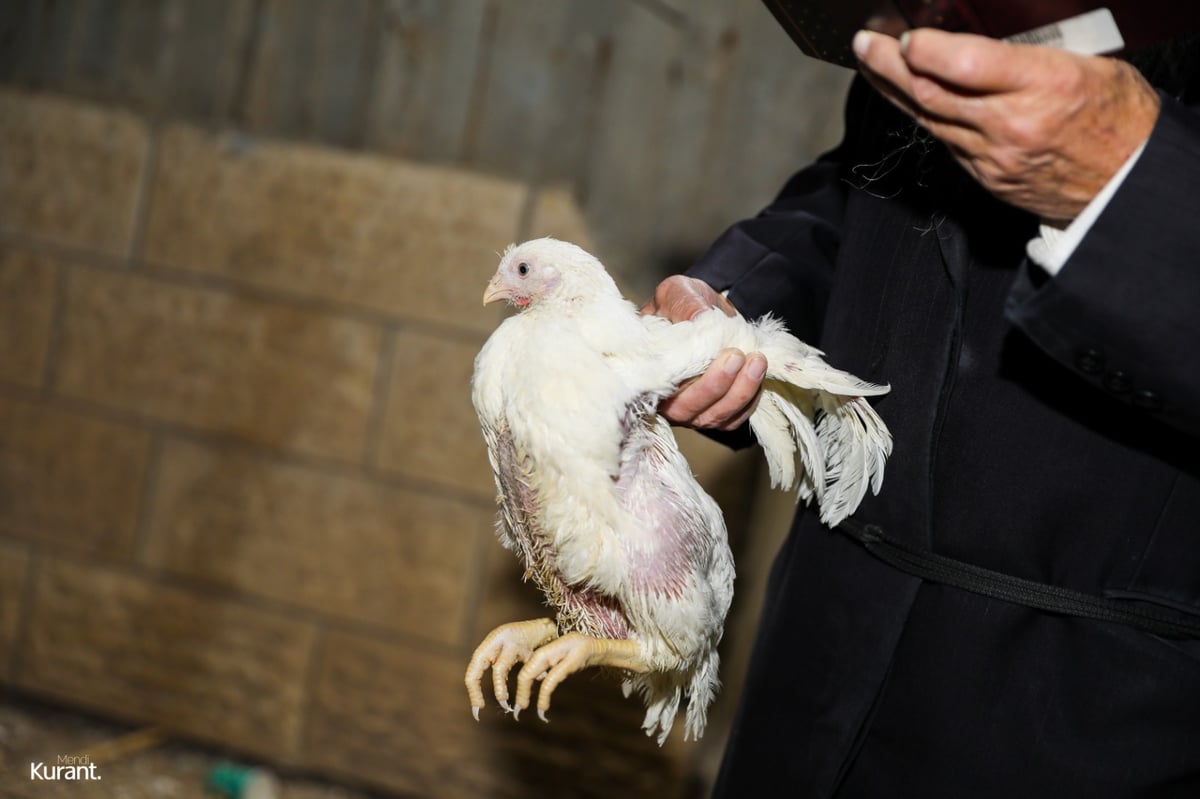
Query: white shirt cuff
[(1053, 246)]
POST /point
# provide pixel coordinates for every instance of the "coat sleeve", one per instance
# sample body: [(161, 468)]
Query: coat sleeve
[(1124, 311)]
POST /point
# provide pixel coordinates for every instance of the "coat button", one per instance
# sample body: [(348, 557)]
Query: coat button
[(1090, 362), (1148, 401), (1117, 382)]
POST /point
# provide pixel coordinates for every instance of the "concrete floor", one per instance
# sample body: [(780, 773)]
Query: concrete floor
[(32, 732)]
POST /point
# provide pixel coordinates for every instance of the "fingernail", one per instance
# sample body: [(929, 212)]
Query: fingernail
[(904, 43), (757, 368), (733, 363), (861, 44)]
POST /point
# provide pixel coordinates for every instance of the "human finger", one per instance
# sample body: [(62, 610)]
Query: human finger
[(735, 406), (680, 298), (884, 67), (723, 397), (701, 393), (882, 63)]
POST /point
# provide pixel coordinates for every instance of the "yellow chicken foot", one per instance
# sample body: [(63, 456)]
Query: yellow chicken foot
[(503, 647), (557, 660)]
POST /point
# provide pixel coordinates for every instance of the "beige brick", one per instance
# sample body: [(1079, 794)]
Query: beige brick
[(69, 172), (411, 240), (14, 566), (267, 373), (556, 214), (69, 480), (431, 431), (400, 719), (26, 310), (337, 545), (144, 651)]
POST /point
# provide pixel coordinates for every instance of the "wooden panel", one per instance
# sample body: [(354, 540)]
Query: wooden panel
[(92, 43), (201, 66), (428, 64), (622, 180), (548, 63), (309, 73), (46, 34), (795, 102), (22, 35), (701, 123), (169, 55), (705, 92)]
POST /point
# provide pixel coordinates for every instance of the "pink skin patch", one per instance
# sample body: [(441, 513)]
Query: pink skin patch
[(647, 491), (520, 301)]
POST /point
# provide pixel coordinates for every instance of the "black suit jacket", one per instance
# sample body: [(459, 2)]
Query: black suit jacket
[(1047, 428)]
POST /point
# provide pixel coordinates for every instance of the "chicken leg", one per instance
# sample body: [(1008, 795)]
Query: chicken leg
[(503, 647), (547, 658)]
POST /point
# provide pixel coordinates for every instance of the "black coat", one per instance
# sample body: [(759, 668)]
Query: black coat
[(1047, 428)]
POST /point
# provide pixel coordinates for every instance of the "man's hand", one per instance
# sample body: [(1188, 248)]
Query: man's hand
[(724, 396), (1042, 129)]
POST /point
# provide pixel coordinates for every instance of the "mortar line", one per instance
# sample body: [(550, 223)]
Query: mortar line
[(140, 546), (28, 604), (145, 197), (58, 313), (380, 397), (310, 681)]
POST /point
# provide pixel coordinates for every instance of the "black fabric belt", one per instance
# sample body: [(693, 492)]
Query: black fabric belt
[(997, 585)]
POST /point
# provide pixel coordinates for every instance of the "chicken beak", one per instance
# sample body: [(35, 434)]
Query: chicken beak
[(495, 291)]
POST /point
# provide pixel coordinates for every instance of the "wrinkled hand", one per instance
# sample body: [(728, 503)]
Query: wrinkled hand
[(725, 395), (1041, 128)]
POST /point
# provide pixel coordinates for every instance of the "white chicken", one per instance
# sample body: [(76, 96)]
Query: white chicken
[(596, 499)]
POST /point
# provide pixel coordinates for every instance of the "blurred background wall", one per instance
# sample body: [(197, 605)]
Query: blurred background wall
[(242, 243)]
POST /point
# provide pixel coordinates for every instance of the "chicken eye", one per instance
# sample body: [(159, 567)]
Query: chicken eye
[(523, 269)]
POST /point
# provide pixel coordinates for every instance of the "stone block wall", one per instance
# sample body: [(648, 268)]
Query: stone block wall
[(242, 490)]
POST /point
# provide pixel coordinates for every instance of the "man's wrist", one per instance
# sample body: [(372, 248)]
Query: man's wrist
[(1054, 246)]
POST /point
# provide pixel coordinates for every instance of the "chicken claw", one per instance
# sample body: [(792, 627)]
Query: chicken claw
[(502, 648), (557, 660)]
